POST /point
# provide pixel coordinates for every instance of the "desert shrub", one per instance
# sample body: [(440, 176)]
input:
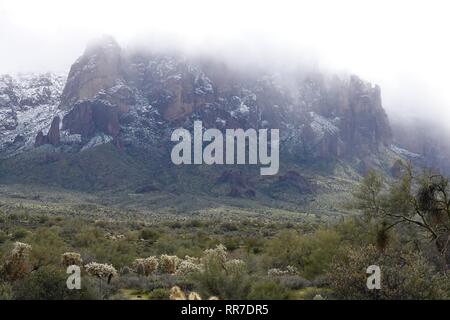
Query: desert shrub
[(313, 293), (268, 290), (87, 236), (19, 234), (49, 283), (222, 278), (47, 247), (404, 275), (168, 264), (17, 265), (319, 250), (145, 266), (194, 296), (6, 291), (149, 235), (355, 231), (284, 249), (293, 282), (159, 294), (3, 236), (194, 223), (176, 294), (101, 270), (175, 225), (228, 227), (71, 258), (217, 255), (131, 281), (188, 266), (311, 253), (117, 252), (277, 272), (124, 271)]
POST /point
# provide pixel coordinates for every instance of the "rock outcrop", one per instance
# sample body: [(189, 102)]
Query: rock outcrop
[(28, 104), (96, 70), (139, 96), (52, 137), (89, 117), (53, 134)]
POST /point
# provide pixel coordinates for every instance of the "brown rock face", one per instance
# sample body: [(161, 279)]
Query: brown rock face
[(90, 117), (183, 102), (96, 70), (322, 116), (52, 137)]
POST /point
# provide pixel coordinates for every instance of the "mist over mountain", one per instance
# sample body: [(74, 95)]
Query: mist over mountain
[(106, 126), (224, 150)]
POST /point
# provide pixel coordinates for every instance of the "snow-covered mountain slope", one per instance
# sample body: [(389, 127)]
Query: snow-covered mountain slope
[(125, 104), (28, 103), (136, 98)]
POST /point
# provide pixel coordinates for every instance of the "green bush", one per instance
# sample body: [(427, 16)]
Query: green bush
[(19, 234), (3, 237), (159, 294), (149, 235), (310, 253), (5, 291), (404, 275), (227, 279), (49, 283), (268, 290)]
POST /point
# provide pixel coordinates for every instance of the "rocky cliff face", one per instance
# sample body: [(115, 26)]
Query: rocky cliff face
[(137, 95), (433, 145), (53, 136), (135, 98), (28, 105), (96, 70)]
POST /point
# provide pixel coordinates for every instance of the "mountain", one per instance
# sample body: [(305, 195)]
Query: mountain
[(108, 126), (28, 104)]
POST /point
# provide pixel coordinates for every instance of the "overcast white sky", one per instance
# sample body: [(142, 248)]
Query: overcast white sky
[(402, 45)]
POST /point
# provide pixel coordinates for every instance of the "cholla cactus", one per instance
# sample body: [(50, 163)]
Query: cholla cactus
[(101, 270), (194, 296), (16, 265), (219, 253), (213, 298), (193, 260), (177, 294), (125, 270), (21, 249), (147, 265), (71, 258), (292, 270), (235, 265), (168, 264), (276, 272), (189, 265)]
